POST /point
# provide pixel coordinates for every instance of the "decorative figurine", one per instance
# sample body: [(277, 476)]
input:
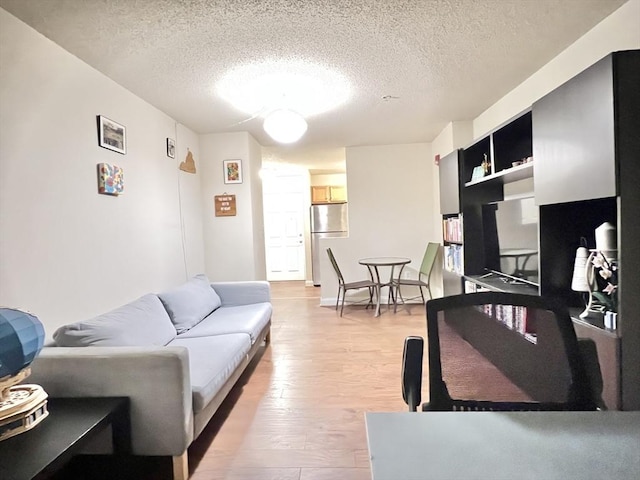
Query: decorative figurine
[(486, 166)]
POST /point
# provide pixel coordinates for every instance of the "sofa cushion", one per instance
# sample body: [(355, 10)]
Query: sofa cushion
[(249, 319), (190, 302), (212, 360), (143, 322)]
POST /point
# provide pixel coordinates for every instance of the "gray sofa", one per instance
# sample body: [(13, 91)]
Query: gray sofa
[(176, 355)]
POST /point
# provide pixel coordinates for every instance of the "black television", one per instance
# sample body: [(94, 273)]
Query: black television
[(510, 229)]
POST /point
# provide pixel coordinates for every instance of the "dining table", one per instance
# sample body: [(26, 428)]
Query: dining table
[(374, 264)]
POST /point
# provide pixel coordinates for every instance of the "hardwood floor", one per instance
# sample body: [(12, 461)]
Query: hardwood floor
[(298, 411)]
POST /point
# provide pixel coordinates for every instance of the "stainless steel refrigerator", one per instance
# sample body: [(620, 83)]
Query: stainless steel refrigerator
[(327, 220)]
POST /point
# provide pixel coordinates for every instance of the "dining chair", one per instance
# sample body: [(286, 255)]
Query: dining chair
[(343, 286), (423, 280), (498, 351)]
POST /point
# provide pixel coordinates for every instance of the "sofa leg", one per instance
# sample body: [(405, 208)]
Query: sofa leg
[(267, 338), (180, 467)]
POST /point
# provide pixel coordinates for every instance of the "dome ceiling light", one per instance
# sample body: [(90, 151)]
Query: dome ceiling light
[(285, 126), (284, 93)]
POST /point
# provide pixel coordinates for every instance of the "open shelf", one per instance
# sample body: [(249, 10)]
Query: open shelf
[(507, 175)]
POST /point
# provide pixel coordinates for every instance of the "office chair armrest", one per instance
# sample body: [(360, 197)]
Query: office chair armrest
[(412, 371)]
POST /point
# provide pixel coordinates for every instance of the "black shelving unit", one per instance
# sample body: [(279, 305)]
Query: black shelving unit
[(580, 143), (512, 144)]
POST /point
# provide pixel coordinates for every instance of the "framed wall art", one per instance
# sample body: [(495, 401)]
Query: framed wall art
[(110, 179), (112, 135), (171, 148), (232, 171)]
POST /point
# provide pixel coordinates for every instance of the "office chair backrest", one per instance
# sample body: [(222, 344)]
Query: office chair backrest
[(335, 266), (429, 259), (503, 351)]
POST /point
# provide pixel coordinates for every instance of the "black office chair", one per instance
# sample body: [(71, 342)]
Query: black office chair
[(343, 286), (499, 351)]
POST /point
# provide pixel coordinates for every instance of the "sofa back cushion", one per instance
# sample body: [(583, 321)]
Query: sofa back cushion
[(143, 322), (190, 302)]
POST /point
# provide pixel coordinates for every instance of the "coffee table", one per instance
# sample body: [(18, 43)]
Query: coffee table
[(71, 424)]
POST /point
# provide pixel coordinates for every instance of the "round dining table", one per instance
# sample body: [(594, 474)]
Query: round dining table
[(374, 263)]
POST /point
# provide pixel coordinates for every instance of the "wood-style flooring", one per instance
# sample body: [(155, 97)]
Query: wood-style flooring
[(298, 411)]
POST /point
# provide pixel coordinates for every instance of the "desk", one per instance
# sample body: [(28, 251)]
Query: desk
[(71, 424), (374, 263), (504, 445)]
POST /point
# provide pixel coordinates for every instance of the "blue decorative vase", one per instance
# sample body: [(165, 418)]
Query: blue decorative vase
[(21, 339)]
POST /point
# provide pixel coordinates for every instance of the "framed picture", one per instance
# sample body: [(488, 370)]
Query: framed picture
[(232, 171), (110, 179), (112, 135), (171, 148)]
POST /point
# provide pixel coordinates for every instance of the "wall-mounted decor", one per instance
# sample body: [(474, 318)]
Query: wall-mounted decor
[(189, 164), (171, 148), (232, 171), (225, 205), (110, 179), (112, 135)]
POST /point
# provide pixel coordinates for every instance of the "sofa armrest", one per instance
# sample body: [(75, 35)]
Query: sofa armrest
[(242, 293), (156, 380)]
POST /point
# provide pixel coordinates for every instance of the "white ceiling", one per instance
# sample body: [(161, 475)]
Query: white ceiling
[(444, 60)]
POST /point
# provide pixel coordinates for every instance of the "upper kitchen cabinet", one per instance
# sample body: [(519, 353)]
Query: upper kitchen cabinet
[(328, 194), (581, 128)]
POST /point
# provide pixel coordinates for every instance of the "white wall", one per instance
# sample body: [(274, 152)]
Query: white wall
[(320, 179), (190, 198), (257, 211), (619, 31), (391, 210), (234, 246), (66, 252)]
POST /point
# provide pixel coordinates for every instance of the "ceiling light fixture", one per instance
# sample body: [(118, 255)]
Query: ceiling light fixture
[(285, 126), (284, 92)]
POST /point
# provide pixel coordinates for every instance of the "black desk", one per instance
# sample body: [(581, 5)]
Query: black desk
[(71, 424)]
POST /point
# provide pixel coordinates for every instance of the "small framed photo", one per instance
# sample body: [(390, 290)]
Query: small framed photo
[(112, 135), (171, 148), (232, 171)]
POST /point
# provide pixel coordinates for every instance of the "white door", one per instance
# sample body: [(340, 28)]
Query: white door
[(284, 207)]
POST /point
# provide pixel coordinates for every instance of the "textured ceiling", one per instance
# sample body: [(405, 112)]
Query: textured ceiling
[(441, 60)]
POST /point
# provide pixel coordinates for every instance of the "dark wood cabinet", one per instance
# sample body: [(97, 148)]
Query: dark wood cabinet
[(449, 172), (581, 145), (586, 143), (608, 348), (512, 145), (452, 223), (627, 128), (574, 146)]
